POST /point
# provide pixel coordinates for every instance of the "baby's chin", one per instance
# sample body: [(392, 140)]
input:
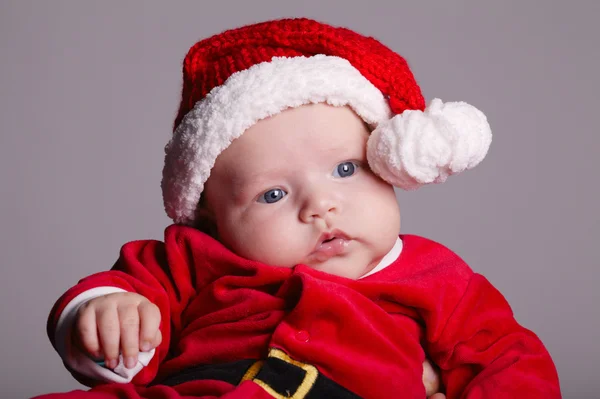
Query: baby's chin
[(344, 267)]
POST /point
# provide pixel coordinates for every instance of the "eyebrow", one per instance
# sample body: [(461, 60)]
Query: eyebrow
[(241, 180), (243, 187)]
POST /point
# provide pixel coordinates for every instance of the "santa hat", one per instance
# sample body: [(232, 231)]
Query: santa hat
[(236, 78)]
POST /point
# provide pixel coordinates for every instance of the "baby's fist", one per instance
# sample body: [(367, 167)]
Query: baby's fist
[(123, 321), (431, 380)]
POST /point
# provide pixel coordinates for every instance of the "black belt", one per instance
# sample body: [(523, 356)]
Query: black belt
[(279, 375)]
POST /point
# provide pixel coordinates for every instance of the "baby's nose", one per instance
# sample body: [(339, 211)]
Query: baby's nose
[(318, 207)]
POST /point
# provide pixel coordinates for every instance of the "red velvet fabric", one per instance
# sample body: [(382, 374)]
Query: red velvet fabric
[(369, 335)]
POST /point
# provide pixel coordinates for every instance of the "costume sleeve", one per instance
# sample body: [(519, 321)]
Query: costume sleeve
[(161, 272), (484, 353)]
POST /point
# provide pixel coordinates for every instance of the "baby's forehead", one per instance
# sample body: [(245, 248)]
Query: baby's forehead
[(293, 139)]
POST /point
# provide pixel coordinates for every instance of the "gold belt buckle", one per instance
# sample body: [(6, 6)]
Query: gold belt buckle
[(305, 386)]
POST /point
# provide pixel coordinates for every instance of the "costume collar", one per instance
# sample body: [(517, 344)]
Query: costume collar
[(388, 259)]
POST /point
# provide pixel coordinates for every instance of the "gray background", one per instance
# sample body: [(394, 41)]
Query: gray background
[(89, 91)]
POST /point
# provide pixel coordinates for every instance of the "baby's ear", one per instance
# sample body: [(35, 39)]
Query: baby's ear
[(206, 221)]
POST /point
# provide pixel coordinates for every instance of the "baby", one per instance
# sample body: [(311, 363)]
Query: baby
[(284, 274)]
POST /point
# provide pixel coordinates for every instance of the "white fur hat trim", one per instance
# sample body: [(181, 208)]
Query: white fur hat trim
[(408, 150), (416, 147)]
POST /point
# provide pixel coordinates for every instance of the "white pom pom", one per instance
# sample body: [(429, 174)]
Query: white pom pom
[(416, 148)]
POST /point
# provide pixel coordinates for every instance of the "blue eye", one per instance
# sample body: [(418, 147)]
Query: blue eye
[(345, 169), (272, 196)]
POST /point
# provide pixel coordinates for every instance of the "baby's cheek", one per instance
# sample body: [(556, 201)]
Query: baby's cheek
[(271, 242), (382, 214)]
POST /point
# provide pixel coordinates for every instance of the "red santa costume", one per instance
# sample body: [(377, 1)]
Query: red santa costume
[(235, 328)]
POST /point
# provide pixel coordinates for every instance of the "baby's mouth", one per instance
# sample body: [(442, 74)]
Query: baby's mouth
[(330, 244)]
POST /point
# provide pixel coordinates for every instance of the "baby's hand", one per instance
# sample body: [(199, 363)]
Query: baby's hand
[(431, 380), (124, 318)]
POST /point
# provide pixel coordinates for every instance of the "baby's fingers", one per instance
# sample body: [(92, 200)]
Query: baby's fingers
[(130, 331), (109, 335), (86, 332), (150, 336)]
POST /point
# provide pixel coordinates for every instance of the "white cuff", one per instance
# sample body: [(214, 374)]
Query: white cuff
[(81, 362)]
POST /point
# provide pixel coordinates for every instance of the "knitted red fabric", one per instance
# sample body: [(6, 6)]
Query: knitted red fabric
[(211, 61)]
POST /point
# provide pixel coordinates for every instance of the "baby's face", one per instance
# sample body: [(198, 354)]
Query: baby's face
[(296, 189)]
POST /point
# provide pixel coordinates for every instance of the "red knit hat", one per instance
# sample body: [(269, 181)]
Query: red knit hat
[(236, 78)]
